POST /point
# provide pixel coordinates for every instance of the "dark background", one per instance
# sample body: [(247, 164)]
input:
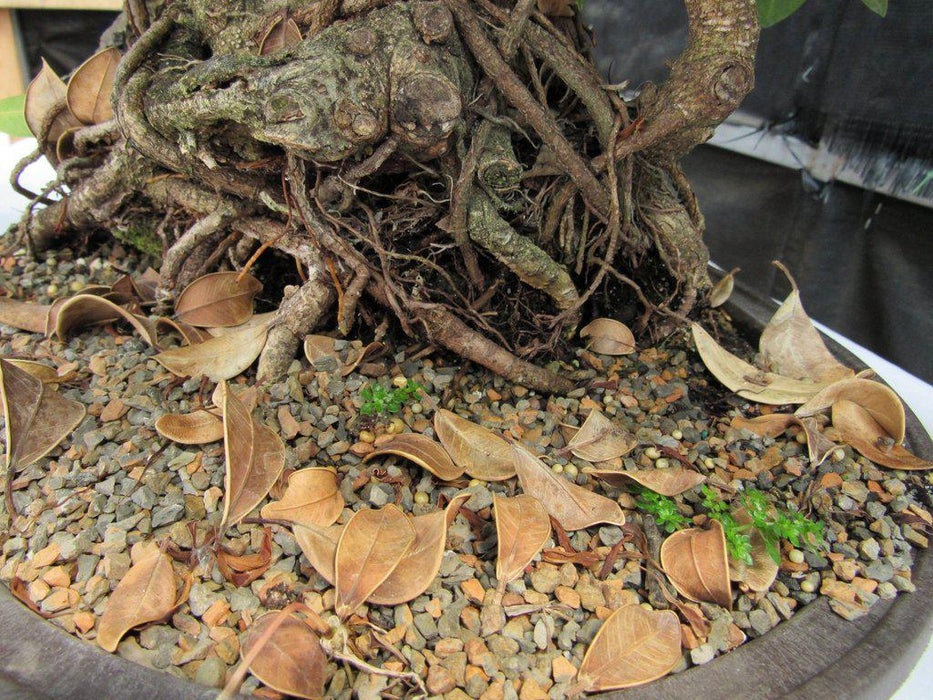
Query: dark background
[(835, 75)]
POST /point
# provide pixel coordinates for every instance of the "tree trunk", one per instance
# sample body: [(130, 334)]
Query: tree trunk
[(458, 167)]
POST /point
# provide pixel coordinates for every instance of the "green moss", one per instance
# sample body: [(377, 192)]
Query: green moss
[(142, 236)]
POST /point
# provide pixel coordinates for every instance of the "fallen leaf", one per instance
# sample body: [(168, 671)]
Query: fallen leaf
[(253, 322), (190, 334), (793, 346), (574, 507), (248, 395), (748, 381), (146, 593), (37, 417), (866, 435), (522, 526), (311, 498), (760, 574), (599, 439), (319, 348), (220, 299), (241, 570), (88, 91), (879, 400), (819, 446), (219, 358), (371, 546), (608, 337), (722, 290), (282, 34), (697, 565), (24, 315), (634, 646), (85, 310), (668, 482), (195, 428), (421, 450), (291, 660), (45, 93), (420, 566), (357, 357), (477, 450), (44, 373), (319, 545), (255, 458)]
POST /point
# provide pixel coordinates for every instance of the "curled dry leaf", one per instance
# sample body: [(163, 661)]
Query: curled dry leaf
[(668, 482), (189, 334), (254, 321), (241, 570), (85, 310), (574, 507), (476, 450), (608, 337), (697, 565), (88, 92), (220, 299), (599, 439), (37, 417), (145, 594), (522, 526), (423, 451), (195, 428), (722, 290), (371, 546), (748, 381), (760, 574), (879, 400), (311, 498), (793, 346), (283, 33), (24, 315), (219, 358), (45, 93), (291, 659), (319, 348), (255, 458), (819, 446), (633, 647), (44, 373), (356, 357), (420, 566), (866, 435), (319, 545)]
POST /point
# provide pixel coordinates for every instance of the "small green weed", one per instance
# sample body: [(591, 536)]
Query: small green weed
[(383, 400), (663, 509)]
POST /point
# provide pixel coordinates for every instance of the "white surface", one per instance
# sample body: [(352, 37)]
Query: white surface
[(915, 393)]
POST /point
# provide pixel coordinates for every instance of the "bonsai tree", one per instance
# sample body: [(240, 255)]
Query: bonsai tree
[(454, 168)]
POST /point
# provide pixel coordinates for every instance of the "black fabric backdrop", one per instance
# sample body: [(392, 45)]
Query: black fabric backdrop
[(834, 71)]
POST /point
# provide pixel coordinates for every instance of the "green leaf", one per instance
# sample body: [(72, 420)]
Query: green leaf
[(879, 7), (12, 121), (770, 12)]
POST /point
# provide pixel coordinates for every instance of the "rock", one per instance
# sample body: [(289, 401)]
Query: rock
[(200, 599), (760, 621), (562, 671), (870, 548), (167, 515), (545, 578), (703, 654), (439, 680)]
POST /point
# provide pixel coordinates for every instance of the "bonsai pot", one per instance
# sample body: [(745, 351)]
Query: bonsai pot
[(816, 654)]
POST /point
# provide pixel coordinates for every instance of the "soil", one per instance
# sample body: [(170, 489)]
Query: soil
[(86, 504)]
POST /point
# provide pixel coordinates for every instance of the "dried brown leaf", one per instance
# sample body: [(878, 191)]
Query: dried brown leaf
[(320, 347), (522, 526), (44, 373), (421, 450), (419, 567), (371, 546), (85, 310), (45, 93), (599, 439), (319, 545), (866, 435), (189, 334), (793, 346), (220, 299), (283, 33), (241, 570), (633, 647), (24, 315), (255, 458), (291, 659), (254, 321), (608, 337), (477, 450), (356, 357), (146, 593), (195, 428), (819, 446), (668, 482), (879, 400), (748, 381), (37, 417), (696, 563), (219, 358), (760, 574), (722, 290), (574, 507), (88, 92), (311, 498)]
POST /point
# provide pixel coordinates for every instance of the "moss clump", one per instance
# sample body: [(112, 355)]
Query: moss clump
[(142, 236)]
